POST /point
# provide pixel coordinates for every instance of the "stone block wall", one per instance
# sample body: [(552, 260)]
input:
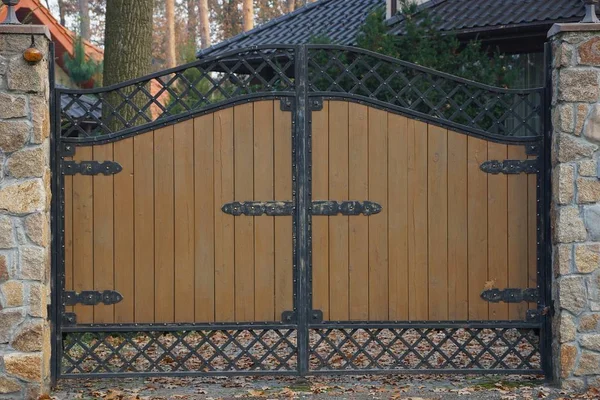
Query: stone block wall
[(576, 203), (24, 214)]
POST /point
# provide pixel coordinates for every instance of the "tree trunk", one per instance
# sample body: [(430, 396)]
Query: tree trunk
[(127, 53), (192, 21), (204, 24), (291, 5), (62, 12), (170, 14), (84, 19), (248, 15)]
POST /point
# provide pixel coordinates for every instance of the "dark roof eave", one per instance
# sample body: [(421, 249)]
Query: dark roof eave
[(498, 30)]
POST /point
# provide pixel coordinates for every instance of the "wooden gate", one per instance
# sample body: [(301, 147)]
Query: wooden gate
[(300, 210)]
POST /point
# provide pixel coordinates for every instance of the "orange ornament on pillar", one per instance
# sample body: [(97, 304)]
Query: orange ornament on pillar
[(32, 55)]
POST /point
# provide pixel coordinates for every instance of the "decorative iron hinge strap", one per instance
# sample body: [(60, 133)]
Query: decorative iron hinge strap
[(510, 167), (92, 298), (92, 167), (510, 295), (282, 208)]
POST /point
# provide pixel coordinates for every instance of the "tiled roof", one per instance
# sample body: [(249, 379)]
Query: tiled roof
[(339, 20), (467, 15), (61, 36)]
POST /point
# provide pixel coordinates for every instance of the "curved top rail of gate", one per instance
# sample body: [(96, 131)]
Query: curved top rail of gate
[(332, 71), (175, 94), (434, 96)]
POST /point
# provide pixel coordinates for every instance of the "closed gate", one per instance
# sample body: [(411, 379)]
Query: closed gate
[(300, 210)]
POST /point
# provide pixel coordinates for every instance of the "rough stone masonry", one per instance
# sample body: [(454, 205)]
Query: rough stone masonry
[(576, 203), (24, 213)]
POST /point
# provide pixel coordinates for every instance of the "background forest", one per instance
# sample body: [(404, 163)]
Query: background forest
[(179, 27)]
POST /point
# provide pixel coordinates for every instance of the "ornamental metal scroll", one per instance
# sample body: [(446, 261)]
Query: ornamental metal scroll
[(345, 208), (283, 208), (257, 208)]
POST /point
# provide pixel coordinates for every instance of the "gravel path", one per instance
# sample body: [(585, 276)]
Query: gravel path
[(416, 387)]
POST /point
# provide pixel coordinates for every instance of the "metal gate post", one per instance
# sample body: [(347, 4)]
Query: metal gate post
[(56, 222), (302, 212), (544, 245)]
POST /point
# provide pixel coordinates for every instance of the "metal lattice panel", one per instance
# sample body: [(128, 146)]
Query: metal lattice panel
[(176, 92), (204, 351), (335, 71), (489, 349)]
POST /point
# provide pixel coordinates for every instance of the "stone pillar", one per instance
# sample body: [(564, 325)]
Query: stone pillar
[(24, 213), (576, 203)]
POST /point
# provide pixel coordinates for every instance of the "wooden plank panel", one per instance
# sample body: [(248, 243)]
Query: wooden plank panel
[(204, 217), (477, 228), (68, 227), (437, 204), (338, 225), (320, 189), (183, 148), (417, 220), (497, 230), (378, 231), (164, 235), (124, 231), (358, 226), (284, 279), (458, 275), (517, 232), (224, 224), (103, 234), (244, 226), (83, 235), (143, 154), (264, 234), (398, 216)]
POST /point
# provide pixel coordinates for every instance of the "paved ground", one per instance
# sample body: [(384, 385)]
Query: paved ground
[(400, 387)]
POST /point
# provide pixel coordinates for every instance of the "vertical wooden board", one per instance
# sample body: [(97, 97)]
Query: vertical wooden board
[(143, 155), (204, 217), (477, 228), (518, 268), (358, 226), (103, 234), (183, 169), (320, 226), (264, 234), (83, 235), (243, 133), (497, 231), (284, 274), (164, 234), (417, 221), (398, 216), (338, 225), (224, 223), (68, 227), (124, 231), (437, 204), (458, 276), (378, 230)]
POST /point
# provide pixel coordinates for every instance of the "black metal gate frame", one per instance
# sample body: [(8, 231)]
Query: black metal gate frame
[(302, 77)]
